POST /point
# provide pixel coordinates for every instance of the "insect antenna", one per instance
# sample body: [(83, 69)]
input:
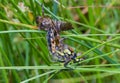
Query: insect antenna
[(42, 5)]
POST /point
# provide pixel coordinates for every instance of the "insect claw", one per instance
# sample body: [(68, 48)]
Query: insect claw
[(66, 66), (62, 39)]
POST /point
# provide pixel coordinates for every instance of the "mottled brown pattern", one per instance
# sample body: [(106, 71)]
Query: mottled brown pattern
[(57, 48)]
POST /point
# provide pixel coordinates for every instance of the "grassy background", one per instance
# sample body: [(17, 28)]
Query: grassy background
[(24, 56)]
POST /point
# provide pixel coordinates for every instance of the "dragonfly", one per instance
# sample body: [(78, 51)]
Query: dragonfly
[(59, 51)]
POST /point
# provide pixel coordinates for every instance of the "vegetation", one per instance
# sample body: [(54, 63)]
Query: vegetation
[(24, 55)]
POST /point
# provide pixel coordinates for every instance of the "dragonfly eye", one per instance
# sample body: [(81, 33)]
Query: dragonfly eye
[(38, 19), (42, 24)]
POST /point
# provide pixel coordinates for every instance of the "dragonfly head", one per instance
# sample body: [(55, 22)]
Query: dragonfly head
[(43, 23)]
